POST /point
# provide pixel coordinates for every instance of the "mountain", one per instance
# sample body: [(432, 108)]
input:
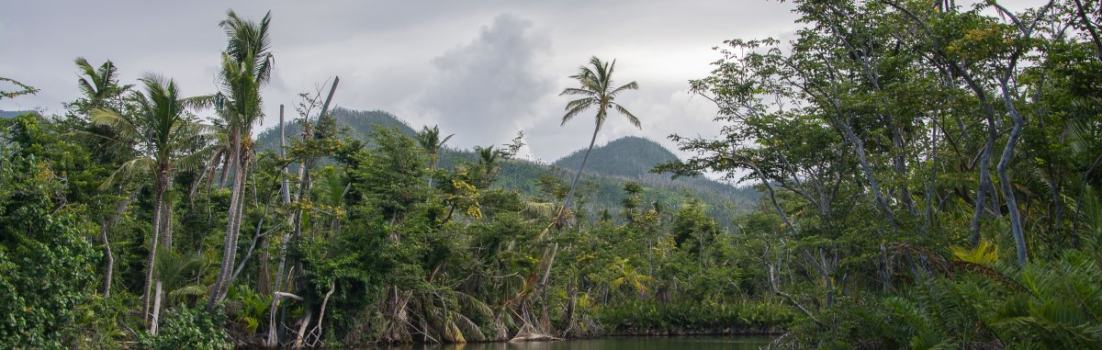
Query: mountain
[(357, 125), (609, 168), (628, 157), (12, 114), (632, 158)]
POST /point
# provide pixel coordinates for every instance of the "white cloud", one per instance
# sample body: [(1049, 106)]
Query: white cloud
[(486, 90)]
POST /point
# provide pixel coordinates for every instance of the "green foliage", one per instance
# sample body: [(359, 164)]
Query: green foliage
[(188, 328), (46, 265), (656, 318)]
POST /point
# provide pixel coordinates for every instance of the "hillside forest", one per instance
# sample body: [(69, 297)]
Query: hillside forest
[(914, 174)]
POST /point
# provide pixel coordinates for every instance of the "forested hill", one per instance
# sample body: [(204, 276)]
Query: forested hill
[(10, 114), (357, 124), (628, 157), (610, 167)]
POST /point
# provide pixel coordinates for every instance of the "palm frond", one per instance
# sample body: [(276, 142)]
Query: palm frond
[(577, 91), (629, 86), (627, 114)]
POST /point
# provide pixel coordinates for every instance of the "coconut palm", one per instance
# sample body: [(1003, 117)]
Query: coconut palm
[(246, 66), (102, 90), (99, 85), (161, 131), (596, 91)]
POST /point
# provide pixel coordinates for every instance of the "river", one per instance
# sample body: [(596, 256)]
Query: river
[(612, 343)]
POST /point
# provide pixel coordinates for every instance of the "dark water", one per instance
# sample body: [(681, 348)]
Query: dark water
[(614, 343)]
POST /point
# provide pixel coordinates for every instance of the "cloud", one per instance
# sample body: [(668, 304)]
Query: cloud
[(488, 89)]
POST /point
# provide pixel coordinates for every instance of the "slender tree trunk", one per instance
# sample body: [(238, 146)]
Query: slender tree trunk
[(105, 229), (229, 245), (159, 189), (156, 318), (285, 192), (1004, 177), (859, 146), (574, 183), (166, 223), (985, 155)]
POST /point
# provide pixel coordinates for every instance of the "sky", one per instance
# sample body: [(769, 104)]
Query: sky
[(482, 70)]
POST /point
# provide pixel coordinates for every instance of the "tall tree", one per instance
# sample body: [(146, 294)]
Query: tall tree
[(595, 86), (246, 66), (99, 85), (162, 132)]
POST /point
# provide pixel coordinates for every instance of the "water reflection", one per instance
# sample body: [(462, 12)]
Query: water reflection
[(616, 343)]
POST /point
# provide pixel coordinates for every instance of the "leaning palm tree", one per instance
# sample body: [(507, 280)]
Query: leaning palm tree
[(595, 88), (246, 66), (596, 91), (161, 131)]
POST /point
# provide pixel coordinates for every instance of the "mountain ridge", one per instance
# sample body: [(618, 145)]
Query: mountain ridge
[(610, 167)]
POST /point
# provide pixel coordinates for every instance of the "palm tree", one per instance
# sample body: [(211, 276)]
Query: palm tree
[(246, 65), (596, 90), (100, 88), (161, 131), (429, 139), (487, 162), (99, 85)]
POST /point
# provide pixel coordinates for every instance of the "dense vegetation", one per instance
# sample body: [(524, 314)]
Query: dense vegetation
[(931, 170), (931, 179), (613, 165)]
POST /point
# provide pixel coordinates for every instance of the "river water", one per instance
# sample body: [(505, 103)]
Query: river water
[(613, 343)]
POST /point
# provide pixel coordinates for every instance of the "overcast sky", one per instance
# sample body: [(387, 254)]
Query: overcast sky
[(480, 69)]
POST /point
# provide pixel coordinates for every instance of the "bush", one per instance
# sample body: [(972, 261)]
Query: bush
[(651, 317), (188, 328), (46, 266)]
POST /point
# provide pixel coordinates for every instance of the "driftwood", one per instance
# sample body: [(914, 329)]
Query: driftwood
[(530, 333)]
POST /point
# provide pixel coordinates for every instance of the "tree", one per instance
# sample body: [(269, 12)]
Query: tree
[(595, 86), (163, 132), (429, 139), (246, 66), (99, 85)]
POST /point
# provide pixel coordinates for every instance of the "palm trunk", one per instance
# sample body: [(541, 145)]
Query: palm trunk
[(159, 189), (155, 320), (229, 245), (166, 223), (574, 183)]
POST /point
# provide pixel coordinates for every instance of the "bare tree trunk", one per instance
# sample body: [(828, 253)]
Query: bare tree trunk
[(109, 270), (859, 146), (303, 323), (296, 219), (285, 192), (1004, 176)]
